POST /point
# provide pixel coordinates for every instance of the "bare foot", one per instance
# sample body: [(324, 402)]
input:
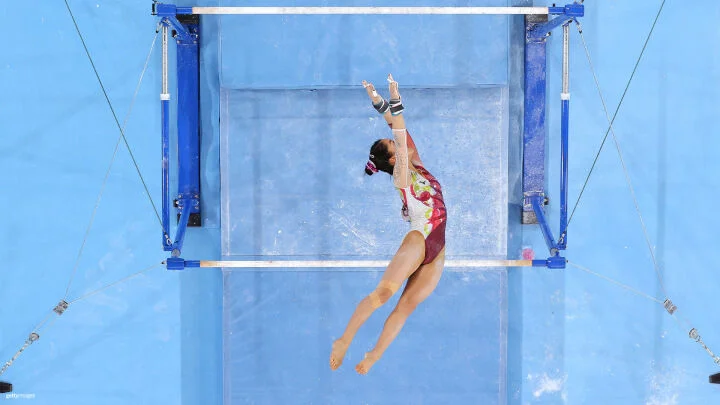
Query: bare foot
[(364, 366), (339, 348), (394, 92), (374, 96)]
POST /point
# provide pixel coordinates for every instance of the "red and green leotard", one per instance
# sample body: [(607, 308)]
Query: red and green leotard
[(424, 207)]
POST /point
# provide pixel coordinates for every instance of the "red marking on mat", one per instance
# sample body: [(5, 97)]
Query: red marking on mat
[(528, 254)]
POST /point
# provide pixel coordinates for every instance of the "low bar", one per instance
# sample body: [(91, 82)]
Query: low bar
[(372, 10), (177, 263), (355, 263)]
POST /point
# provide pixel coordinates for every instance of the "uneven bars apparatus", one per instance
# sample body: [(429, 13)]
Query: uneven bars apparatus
[(185, 23)]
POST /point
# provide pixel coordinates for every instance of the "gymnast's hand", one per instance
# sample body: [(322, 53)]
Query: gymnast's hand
[(372, 93)]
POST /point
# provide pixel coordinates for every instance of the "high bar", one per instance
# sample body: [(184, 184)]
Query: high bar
[(373, 10), (355, 263)]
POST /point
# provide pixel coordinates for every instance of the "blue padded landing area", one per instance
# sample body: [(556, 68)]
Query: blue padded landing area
[(279, 328), (293, 187)]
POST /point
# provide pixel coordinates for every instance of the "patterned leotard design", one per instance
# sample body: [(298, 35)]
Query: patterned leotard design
[(424, 208)]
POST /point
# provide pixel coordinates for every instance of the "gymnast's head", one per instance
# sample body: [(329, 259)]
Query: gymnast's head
[(382, 157)]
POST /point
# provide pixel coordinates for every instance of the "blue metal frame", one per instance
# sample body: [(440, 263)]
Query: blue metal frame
[(188, 133), (569, 10), (540, 31), (169, 10), (535, 130), (534, 135)]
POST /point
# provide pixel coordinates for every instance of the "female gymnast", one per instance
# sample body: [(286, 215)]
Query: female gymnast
[(421, 256)]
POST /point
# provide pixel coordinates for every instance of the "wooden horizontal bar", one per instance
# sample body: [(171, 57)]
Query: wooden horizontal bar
[(290, 264), (372, 10)]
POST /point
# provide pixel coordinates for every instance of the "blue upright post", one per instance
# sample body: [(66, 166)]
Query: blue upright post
[(186, 33), (564, 135), (165, 117), (538, 29), (188, 75), (534, 130)]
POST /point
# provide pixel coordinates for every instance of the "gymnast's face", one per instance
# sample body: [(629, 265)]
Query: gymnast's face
[(390, 145)]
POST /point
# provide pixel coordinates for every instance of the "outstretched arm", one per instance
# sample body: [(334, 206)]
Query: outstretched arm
[(401, 169), (413, 152), (377, 99)]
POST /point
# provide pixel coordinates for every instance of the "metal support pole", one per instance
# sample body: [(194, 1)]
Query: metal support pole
[(165, 119), (182, 227), (564, 131), (544, 227)]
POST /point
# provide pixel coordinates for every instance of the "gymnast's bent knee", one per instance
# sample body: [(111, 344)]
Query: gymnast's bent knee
[(383, 292)]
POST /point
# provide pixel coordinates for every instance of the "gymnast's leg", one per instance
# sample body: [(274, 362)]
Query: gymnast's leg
[(419, 286), (407, 259)]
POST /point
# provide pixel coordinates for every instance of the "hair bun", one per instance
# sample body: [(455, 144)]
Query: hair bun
[(370, 168)]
